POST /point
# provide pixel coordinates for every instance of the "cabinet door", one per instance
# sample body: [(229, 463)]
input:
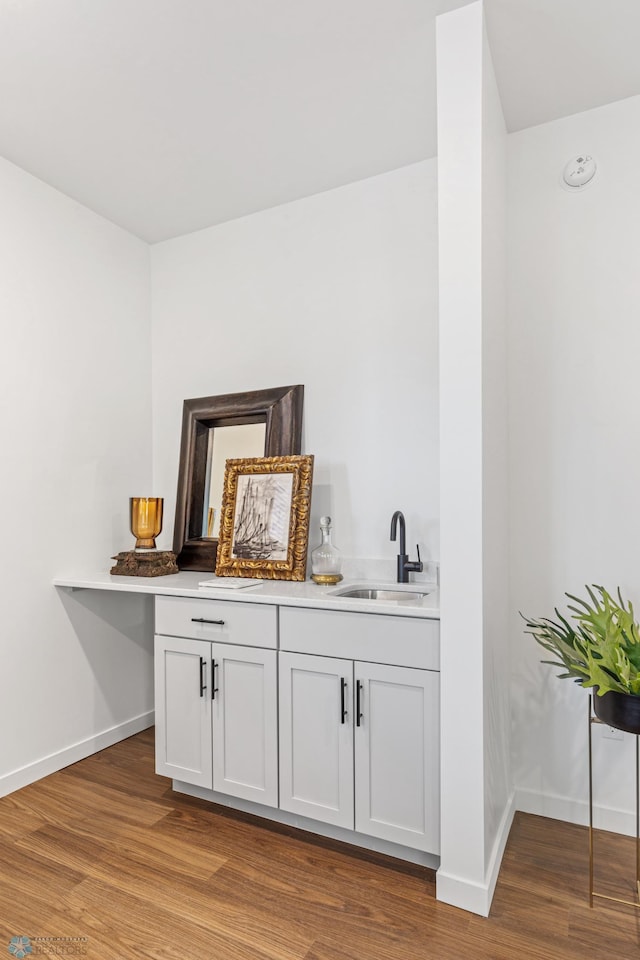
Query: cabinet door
[(397, 760), (183, 710), (316, 737), (245, 722)]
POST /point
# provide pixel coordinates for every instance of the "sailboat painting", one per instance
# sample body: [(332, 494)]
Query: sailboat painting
[(264, 525), (263, 511)]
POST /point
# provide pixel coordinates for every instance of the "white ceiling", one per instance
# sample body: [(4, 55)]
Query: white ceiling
[(167, 116), (558, 57)]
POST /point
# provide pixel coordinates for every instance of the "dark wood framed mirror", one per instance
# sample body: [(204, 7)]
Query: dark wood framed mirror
[(260, 423)]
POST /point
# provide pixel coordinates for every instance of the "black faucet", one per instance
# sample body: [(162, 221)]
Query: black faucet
[(405, 566)]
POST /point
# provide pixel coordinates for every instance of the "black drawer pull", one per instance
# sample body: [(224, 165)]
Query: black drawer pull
[(359, 715), (214, 689), (203, 668), (343, 708), (220, 623)]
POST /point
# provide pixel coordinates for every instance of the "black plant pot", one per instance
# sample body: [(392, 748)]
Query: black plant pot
[(621, 710)]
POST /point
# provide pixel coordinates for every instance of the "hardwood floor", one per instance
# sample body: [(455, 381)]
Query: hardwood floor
[(104, 850)]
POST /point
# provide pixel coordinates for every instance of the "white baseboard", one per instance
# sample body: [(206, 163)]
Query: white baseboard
[(502, 836), (477, 897), (465, 894), (576, 811), (77, 751), (316, 827)]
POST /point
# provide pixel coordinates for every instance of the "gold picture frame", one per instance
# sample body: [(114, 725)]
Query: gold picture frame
[(264, 524)]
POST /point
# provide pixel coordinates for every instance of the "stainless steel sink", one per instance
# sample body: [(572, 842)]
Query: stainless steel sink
[(373, 593)]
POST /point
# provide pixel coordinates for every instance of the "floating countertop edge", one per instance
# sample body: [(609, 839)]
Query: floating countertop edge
[(280, 592)]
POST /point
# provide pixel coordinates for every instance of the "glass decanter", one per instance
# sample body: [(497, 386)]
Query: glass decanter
[(326, 561)]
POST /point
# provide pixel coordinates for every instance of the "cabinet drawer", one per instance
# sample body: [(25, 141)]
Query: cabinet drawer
[(226, 621), (404, 641)]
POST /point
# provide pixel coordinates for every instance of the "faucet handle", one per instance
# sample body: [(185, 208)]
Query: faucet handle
[(415, 566)]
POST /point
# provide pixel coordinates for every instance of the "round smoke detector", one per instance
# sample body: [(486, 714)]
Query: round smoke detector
[(579, 172)]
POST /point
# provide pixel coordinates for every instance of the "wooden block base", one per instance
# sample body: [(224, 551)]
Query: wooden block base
[(151, 563)]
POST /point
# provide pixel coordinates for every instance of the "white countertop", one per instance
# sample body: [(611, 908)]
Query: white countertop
[(281, 592)]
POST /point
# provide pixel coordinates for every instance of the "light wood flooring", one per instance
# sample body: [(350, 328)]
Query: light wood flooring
[(106, 851)]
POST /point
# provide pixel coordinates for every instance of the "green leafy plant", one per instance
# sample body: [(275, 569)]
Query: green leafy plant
[(601, 650)]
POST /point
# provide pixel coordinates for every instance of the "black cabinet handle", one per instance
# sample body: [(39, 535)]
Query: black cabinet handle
[(214, 689), (359, 715), (220, 623), (203, 668), (343, 708)]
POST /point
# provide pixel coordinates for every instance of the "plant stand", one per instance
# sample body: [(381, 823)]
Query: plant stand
[(592, 893)]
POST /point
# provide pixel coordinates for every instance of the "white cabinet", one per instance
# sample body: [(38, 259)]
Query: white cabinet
[(226, 621), (245, 723), (359, 747), (331, 716), (216, 702), (316, 738), (183, 710), (397, 755), (370, 637)]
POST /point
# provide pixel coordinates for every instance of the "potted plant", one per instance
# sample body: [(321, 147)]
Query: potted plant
[(600, 649)]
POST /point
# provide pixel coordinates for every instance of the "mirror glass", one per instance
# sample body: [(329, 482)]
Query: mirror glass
[(226, 443)]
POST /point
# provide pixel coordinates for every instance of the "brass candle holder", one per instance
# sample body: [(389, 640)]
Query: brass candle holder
[(145, 560)]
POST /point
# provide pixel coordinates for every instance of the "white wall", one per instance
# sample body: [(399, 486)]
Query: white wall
[(495, 490), (474, 671), (459, 61), (574, 294), (75, 400), (337, 292)]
